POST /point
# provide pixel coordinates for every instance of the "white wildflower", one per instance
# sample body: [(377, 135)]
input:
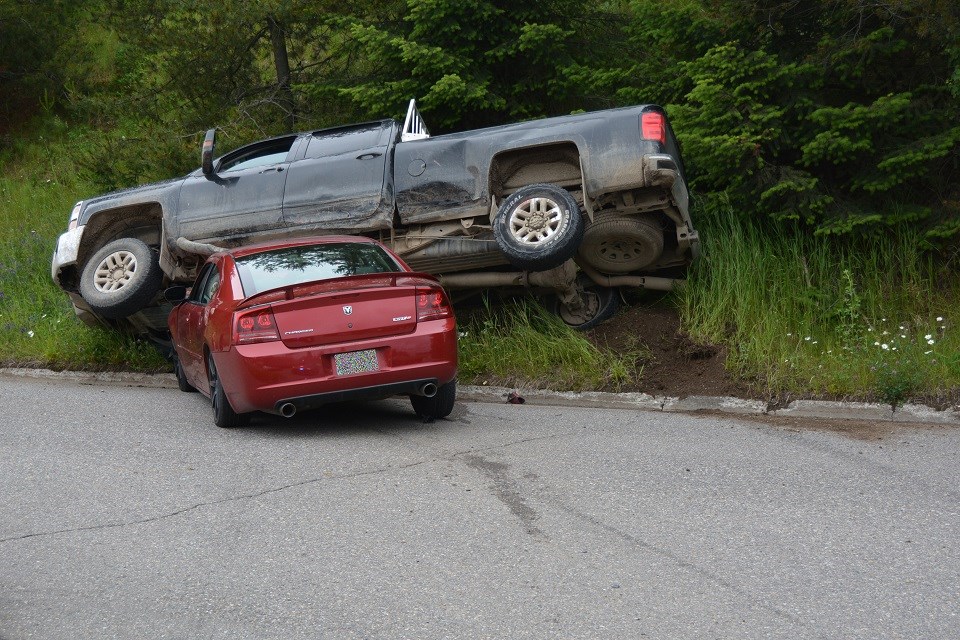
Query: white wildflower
[(885, 346), (807, 338), (926, 353), (30, 333), (930, 341), (939, 319), (927, 337)]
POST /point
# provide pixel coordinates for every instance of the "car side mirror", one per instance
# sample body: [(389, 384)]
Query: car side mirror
[(206, 153), (175, 294)]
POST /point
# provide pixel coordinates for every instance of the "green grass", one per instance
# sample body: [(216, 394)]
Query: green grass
[(521, 344), (37, 325), (869, 318)]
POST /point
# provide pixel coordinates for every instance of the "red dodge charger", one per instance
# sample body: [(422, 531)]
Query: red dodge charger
[(291, 325)]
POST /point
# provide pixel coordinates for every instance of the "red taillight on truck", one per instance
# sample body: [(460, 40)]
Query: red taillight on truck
[(432, 304), (255, 326), (653, 126)]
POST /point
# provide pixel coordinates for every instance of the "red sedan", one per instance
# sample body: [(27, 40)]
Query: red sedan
[(291, 325)]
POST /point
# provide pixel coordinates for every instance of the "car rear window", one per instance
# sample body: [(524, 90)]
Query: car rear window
[(295, 265)]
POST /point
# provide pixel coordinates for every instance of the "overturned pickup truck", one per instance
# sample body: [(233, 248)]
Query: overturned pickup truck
[(576, 205)]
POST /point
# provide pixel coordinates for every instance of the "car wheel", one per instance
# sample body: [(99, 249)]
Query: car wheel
[(440, 405), (538, 227), (599, 304), (182, 383), (121, 278), (223, 414), (615, 243)]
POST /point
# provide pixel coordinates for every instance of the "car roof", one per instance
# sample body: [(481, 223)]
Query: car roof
[(295, 242)]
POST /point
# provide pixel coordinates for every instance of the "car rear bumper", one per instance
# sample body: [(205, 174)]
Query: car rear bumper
[(376, 392), (263, 377)]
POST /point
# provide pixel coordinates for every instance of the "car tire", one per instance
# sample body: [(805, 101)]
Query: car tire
[(438, 406), (538, 227), (615, 243), (121, 278), (223, 414), (600, 303), (182, 383)]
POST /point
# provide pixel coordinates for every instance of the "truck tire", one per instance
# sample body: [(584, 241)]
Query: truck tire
[(600, 303), (616, 243), (538, 227), (121, 278)]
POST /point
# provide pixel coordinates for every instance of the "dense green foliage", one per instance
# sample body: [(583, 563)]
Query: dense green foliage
[(821, 138)]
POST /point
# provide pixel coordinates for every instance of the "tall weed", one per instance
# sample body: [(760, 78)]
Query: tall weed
[(522, 344), (804, 313)]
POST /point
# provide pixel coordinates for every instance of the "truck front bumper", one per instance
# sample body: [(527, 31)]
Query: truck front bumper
[(65, 255)]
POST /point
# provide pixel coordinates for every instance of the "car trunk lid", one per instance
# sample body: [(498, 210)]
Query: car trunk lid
[(344, 309)]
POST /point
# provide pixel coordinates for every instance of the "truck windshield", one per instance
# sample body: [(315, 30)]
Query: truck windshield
[(296, 265)]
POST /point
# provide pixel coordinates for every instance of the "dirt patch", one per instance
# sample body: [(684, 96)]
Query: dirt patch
[(863, 430), (673, 364)]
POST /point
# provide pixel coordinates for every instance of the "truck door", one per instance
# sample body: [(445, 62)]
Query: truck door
[(243, 198), (343, 181)]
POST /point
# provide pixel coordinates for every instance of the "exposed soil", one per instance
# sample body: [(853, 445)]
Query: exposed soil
[(673, 364), (678, 366)]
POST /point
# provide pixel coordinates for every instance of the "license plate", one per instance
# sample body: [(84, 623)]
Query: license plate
[(356, 362)]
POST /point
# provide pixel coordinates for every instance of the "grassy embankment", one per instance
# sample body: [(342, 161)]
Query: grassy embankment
[(797, 315), (38, 187), (873, 318)]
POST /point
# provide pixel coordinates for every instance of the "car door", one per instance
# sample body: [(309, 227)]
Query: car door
[(191, 326), (341, 183), (243, 198)]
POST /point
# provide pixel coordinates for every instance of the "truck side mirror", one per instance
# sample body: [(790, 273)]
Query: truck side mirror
[(206, 153)]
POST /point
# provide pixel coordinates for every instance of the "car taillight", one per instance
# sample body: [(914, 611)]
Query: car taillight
[(432, 304), (653, 126), (255, 326)]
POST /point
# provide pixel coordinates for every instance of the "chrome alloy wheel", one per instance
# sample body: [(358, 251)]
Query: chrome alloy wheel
[(115, 271), (536, 221)]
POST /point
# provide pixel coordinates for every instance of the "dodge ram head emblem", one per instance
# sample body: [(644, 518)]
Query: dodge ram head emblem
[(347, 309)]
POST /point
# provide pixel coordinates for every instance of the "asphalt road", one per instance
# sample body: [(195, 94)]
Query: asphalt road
[(124, 513)]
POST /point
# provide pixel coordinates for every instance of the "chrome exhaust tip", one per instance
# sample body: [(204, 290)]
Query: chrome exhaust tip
[(428, 389), (288, 409)]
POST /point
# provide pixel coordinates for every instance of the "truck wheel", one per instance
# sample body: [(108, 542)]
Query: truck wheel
[(599, 305), (121, 278), (616, 243), (538, 227)]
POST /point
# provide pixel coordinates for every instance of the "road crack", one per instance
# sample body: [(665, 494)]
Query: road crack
[(237, 498)]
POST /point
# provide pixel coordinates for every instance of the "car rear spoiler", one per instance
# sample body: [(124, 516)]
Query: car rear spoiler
[(330, 285)]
